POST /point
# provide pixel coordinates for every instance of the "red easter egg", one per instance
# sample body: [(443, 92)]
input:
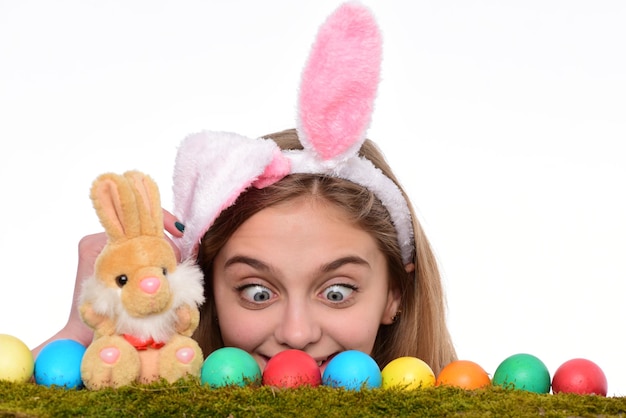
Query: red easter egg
[(580, 376), (290, 369)]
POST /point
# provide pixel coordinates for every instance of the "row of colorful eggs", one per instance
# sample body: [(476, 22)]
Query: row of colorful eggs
[(355, 370), (58, 364)]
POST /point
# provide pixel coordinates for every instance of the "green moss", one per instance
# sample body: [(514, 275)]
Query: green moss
[(190, 399)]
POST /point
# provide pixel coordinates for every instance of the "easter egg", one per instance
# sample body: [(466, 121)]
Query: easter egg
[(580, 376), (290, 369), (407, 373), (523, 371), (16, 359), (352, 370), (463, 374), (58, 364), (230, 366)]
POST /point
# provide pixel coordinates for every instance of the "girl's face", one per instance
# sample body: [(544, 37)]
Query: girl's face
[(299, 275)]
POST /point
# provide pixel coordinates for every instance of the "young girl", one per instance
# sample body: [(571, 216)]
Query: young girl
[(305, 237), (390, 309)]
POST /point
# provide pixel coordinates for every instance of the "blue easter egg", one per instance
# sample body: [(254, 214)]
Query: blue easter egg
[(352, 370), (58, 364)]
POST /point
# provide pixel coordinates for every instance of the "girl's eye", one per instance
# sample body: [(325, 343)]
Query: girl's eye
[(256, 293), (337, 292)]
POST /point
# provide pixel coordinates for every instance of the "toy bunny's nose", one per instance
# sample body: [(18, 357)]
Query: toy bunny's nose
[(150, 284)]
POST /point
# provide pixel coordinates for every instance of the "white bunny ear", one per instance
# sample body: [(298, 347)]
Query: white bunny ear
[(211, 171), (339, 83)]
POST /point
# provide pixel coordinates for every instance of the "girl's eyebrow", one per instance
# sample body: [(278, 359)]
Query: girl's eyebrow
[(252, 262), (259, 265), (352, 259)]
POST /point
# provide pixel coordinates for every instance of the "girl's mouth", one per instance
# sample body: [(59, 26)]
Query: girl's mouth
[(323, 363), (262, 360)]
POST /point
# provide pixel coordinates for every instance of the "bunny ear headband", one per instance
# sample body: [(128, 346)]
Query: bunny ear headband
[(336, 101)]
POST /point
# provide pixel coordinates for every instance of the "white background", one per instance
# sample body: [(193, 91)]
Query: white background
[(504, 120)]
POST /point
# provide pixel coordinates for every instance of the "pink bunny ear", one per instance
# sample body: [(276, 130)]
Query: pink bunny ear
[(339, 83)]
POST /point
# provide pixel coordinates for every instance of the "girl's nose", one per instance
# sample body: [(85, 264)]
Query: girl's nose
[(298, 328)]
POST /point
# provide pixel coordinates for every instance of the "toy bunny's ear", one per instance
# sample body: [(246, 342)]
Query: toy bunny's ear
[(148, 203), (339, 83), (114, 202)]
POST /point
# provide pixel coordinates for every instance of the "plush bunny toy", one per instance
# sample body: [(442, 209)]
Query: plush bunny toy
[(142, 304)]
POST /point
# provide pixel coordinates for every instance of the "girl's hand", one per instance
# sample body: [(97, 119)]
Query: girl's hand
[(171, 225)]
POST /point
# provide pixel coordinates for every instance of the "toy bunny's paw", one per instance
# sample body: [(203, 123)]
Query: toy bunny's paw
[(185, 355), (110, 355), (109, 362), (187, 320), (188, 359)]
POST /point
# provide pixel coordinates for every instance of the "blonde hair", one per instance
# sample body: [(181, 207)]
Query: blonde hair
[(420, 330)]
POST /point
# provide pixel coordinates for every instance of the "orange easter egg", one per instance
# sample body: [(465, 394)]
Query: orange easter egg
[(464, 374)]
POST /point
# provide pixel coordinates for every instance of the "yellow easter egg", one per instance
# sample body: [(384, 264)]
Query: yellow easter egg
[(16, 360), (407, 373)]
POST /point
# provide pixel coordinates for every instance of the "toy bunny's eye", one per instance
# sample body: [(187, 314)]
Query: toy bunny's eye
[(121, 280), (164, 271)]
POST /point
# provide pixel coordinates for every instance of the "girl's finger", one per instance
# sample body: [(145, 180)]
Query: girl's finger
[(172, 225)]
